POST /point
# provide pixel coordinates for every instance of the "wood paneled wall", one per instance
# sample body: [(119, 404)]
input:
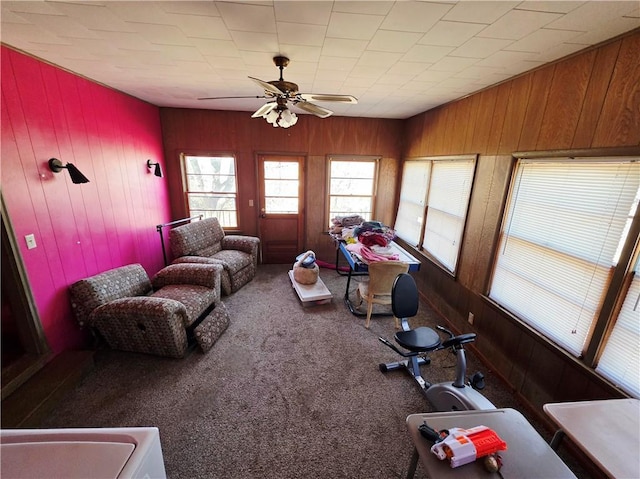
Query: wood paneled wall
[(80, 229), (590, 100), (208, 131)]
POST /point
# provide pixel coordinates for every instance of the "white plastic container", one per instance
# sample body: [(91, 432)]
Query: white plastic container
[(92, 453)]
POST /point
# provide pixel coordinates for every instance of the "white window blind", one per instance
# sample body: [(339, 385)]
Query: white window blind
[(563, 224), (413, 197), (448, 200), (620, 360)]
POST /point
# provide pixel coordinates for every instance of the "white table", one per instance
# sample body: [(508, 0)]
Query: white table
[(607, 431), (527, 456)]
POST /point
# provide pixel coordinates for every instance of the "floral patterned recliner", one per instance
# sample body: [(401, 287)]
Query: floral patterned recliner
[(205, 242), (131, 313)]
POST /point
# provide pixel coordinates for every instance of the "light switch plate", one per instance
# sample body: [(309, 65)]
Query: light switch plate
[(31, 241)]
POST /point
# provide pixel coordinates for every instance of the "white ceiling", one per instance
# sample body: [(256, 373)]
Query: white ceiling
[(398, 58)]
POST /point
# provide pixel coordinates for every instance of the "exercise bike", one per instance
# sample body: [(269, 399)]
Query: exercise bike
[(445, 396)]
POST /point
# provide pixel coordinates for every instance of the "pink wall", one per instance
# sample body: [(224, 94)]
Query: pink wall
[(80, 229)]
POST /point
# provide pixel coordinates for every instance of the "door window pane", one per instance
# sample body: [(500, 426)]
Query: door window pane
[(281, 187)]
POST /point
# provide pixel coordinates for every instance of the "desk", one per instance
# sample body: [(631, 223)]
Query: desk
[(359, 268), (607, 431), (528, 454)]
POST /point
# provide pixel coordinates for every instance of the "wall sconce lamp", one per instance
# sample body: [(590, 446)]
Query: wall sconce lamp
[(76, 176), (157, 171)]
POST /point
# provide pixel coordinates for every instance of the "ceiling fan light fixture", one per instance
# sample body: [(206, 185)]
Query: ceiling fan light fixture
[(281, 92), (281, 117), (286, 116), (271, 117)]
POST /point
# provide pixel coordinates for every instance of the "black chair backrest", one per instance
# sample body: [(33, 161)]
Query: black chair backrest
[(404, 296)]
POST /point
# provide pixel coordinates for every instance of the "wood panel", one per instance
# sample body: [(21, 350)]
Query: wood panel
[(490, 189), (605, 60), (515, 113), (413, 128), (439, 122), (484, 117), (536, 105), (542, 378), (83, 229), (316, 168), (458, 127), (426, 141), (448, 138), (619, 122), (564, 103), (521, 360), (471, 246), (473, 106), (497, 121)]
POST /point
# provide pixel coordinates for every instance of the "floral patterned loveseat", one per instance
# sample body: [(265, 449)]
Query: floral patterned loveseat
[(205, 242), (159, 316)]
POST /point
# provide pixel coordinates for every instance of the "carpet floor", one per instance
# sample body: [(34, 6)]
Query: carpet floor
[(287, 391)]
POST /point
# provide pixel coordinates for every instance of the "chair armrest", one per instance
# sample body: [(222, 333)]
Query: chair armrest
[(139, 307), (201, 274), (248, 244)]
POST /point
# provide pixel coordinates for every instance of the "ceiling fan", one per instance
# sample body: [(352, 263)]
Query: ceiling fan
[(280, 92)]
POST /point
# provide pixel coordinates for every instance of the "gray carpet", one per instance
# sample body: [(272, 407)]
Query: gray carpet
[(287, 392)]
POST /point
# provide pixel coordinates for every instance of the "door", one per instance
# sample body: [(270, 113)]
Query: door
[(24, 346), (281, 189)]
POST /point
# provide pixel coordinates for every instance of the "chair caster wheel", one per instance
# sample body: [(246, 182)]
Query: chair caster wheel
[(383, 367)]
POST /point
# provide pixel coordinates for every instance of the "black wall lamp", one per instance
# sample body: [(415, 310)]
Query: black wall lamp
[(76, 176), (157, 171)]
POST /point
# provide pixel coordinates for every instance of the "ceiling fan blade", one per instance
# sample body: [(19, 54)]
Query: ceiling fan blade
[(264, 109), (268, 87), (229, 97), (315, 109), (328, 97)]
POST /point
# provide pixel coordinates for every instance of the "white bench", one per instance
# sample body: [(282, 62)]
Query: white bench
[(311, 294)]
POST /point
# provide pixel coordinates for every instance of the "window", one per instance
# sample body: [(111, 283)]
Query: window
[(435, 193), (620, 360), (210, 188), (351, 187), (565, 225), (281, 187)]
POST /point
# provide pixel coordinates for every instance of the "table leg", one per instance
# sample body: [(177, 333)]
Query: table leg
[(413, 464), (341, 273), (557, 439), (347, 301)]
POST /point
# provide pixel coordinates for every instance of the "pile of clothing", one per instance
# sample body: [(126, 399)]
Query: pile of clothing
[(371, 233), (339, 223), (373, 240)]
